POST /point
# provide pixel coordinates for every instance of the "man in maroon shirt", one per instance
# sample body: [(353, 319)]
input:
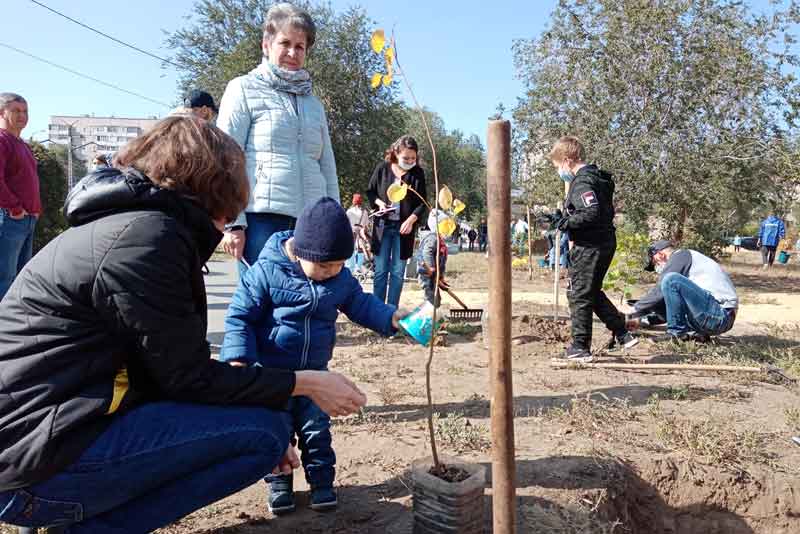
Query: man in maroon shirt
[(20, 204)]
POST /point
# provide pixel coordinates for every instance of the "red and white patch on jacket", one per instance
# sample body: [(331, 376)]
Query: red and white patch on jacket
[(589, 199)]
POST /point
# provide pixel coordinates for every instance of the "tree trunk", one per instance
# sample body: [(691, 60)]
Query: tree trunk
[(680, 227)]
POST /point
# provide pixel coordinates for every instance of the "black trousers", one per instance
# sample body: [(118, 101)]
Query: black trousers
[(588, 268), (768, 255)]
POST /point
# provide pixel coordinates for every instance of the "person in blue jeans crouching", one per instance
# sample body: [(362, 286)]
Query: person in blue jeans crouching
[(695, 294), (283, 316)]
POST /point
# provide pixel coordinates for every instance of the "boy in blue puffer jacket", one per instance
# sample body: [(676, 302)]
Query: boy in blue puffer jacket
[(283, 315)]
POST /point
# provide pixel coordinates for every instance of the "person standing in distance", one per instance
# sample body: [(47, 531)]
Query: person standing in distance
[(588, 217), (395, 225), (20, 204), (201, 105), (770, 234)]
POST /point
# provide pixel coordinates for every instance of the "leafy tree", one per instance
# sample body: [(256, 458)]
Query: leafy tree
[(461, 160), (626, 268), (533, 175), (224, 41), (53, 190), (79, 169), (685, 101)]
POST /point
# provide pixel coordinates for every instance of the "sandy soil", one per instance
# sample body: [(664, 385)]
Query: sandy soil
[(597, 451)]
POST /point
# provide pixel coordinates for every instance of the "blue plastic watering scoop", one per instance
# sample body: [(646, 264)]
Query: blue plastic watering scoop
[(419, 323)]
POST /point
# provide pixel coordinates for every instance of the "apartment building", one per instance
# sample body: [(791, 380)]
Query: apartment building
[(92, 135)]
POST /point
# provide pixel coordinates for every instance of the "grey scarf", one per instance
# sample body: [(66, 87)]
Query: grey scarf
[(297, 82)]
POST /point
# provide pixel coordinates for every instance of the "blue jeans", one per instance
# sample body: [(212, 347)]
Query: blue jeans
[(313, 429), (16, 247), (152, 466), (434, 297), (690, 307), (260, 227), (389, 267), (355, 262)]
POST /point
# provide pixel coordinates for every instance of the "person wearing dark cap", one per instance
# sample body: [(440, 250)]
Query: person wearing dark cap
[(695, 295), (283, 315), (589, 219), (201, 104)]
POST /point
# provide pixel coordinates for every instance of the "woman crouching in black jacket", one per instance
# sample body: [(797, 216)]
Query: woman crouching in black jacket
[(113, 416)]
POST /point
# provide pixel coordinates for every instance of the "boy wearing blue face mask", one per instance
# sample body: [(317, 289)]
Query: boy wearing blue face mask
[(589, 219)]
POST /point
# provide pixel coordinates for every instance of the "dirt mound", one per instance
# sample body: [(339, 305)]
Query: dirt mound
[(537, 328), (711, 499), (669, 495)]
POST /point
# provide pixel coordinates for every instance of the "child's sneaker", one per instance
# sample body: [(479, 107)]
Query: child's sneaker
[(323, 499), (281, 496)]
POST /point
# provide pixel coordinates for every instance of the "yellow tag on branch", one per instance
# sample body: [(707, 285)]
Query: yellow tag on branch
[(447, 226), (377, 41), (445, 198), (397, 192), (376, 80), (458, 206)]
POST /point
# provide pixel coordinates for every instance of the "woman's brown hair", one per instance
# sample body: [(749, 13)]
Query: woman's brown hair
[(195, 158), (405, 141)]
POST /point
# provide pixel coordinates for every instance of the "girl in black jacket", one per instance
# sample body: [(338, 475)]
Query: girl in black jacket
[(395, 227)]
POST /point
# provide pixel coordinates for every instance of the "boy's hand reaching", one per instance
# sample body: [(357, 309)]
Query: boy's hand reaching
[(397, 315)]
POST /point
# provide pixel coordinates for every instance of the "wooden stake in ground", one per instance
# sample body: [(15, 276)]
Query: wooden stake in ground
[(557, 252), (530, 245), (498, 187)]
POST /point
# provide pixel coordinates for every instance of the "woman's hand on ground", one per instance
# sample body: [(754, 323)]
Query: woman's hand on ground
[(408, 226), (233, 243), (288, 463), (334, 393)]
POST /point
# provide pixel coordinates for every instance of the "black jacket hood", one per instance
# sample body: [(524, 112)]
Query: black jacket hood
[(600, 177), (111, 190)]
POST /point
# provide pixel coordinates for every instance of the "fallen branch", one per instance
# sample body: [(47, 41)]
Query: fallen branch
[(656, 366), (775, 372)]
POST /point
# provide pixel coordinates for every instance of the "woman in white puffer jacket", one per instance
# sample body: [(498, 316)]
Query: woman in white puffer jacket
[(283, 130)]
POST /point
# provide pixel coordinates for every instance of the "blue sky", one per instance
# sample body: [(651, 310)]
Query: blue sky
[(457, 54)]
